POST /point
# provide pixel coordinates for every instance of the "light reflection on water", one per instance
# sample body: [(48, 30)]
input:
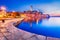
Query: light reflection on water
[(52, 22), (47, 27)]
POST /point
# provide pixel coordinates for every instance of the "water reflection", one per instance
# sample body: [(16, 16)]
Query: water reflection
[(52, 22), (47, 27)]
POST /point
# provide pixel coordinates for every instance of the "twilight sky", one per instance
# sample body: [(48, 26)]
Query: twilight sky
[(47, 6)]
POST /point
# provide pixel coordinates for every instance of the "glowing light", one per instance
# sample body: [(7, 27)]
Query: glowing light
[(37, 21), (3, 8), (23, 15), (1, 15), (13, 11)]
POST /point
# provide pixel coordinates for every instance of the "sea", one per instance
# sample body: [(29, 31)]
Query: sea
[(49, 27)]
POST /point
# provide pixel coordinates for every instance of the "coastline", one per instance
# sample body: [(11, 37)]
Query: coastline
[(10, 32)]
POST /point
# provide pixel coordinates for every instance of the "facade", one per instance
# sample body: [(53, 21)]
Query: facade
[(2, 11), (29, 15)]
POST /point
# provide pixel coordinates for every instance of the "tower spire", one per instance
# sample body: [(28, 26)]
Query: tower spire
[(31, 8)]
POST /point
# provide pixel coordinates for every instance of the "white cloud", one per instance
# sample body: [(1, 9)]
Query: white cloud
[(49, 8)]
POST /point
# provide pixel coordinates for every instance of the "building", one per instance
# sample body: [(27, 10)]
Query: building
[(2, 11)]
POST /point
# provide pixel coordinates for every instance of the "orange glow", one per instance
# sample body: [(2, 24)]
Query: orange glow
[(1, 15), (23, 15)]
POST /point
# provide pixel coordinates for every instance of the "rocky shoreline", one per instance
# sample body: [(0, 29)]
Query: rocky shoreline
[(9, 32)]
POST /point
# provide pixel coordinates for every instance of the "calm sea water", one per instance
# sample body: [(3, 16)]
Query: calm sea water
[(47, 27)]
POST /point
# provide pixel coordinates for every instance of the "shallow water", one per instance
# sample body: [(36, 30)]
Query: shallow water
[(47, 27)]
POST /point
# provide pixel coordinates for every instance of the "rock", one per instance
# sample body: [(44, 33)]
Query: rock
[(9, 32)]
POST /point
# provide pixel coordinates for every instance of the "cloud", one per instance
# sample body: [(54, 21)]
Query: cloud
[(47, 8)]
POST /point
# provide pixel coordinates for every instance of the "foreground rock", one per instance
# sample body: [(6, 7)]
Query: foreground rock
[(9, 32)]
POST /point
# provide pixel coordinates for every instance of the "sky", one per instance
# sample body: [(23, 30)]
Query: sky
[(46, 6)]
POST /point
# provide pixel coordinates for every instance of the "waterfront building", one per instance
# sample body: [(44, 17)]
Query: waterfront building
[(2, 11)]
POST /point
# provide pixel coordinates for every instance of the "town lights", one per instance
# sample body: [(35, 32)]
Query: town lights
[(37, 21), (3, 11)]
